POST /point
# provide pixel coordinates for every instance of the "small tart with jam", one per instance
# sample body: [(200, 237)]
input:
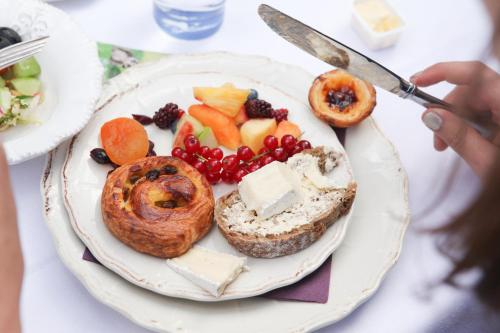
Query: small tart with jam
[(158, 205), (341, 99)]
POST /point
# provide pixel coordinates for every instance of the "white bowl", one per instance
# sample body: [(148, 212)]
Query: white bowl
[(71, 78), (376, 40)]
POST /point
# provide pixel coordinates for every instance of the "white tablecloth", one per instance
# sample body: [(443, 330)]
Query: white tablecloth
[(54, 301)]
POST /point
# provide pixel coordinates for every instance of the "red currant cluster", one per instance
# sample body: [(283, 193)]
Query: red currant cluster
[(232, 168)]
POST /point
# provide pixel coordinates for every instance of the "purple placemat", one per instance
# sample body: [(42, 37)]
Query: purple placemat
[(313, 288)]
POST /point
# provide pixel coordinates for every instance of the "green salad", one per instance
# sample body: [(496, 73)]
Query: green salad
[(20, 88), (20, 93)]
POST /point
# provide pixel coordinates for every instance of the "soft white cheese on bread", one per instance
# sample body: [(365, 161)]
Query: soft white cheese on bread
[(270, 190), (307, 166), (210, 270), (318, 191)]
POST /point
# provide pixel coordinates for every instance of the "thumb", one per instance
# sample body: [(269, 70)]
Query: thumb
[(466, 141)]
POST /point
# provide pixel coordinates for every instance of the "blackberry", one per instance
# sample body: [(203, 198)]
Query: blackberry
[(166, 116), (280, 115), (258, 108)]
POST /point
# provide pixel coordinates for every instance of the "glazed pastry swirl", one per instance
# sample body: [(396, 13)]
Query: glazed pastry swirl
[(158, 205)]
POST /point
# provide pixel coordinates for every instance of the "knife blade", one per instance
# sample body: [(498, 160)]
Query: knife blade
[(341, 56), (329, 50)]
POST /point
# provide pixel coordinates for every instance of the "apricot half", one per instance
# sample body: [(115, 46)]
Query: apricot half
[(341, 99), (124, 140)]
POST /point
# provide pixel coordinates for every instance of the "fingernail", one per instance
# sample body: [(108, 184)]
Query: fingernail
[(414, 77), (432, 120)]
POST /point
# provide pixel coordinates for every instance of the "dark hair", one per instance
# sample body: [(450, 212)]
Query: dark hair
[(472, 241)]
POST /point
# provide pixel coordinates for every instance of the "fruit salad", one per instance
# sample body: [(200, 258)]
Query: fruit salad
[(20, 88), (250, 128)]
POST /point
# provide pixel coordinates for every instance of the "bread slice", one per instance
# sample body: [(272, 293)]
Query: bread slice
[(298, 227)]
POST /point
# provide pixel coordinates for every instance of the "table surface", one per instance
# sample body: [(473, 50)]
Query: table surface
[(53, 300)]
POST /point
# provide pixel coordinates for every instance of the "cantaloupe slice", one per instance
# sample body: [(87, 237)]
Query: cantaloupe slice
[(241, 117), (287, 127), (224, 128)]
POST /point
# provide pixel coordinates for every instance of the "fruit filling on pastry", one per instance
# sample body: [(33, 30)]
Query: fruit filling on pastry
[(341, 98)]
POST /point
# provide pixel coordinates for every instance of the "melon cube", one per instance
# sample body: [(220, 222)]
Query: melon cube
[(254, 131)]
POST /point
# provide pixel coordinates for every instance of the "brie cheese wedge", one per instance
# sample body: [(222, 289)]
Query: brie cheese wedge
[(210, 270)]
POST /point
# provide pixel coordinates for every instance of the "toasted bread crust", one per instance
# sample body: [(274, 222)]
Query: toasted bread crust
[(271, 246)]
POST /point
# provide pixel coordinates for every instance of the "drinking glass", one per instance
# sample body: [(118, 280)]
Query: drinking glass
[(189, 19)]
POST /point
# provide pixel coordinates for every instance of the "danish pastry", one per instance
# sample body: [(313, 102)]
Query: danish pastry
[(158, 205)]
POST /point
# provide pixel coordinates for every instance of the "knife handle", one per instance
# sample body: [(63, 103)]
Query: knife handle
[(482, 122)]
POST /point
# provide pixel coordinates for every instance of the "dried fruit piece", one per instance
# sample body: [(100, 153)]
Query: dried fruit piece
[(124, 140), (151, 151), (99, 155), (169, 170), (144, 120), (166, 204), (152, 174)]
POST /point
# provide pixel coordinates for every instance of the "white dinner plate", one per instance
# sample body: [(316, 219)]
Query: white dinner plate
[(369, 250), (143, 89), (71, 78)]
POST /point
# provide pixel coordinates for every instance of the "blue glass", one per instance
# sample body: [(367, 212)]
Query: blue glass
[(189, 19)]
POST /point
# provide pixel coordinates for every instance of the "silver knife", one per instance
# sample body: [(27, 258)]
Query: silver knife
[(339, 55)]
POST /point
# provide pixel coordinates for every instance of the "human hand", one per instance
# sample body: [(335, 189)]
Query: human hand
[(477, 90)]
